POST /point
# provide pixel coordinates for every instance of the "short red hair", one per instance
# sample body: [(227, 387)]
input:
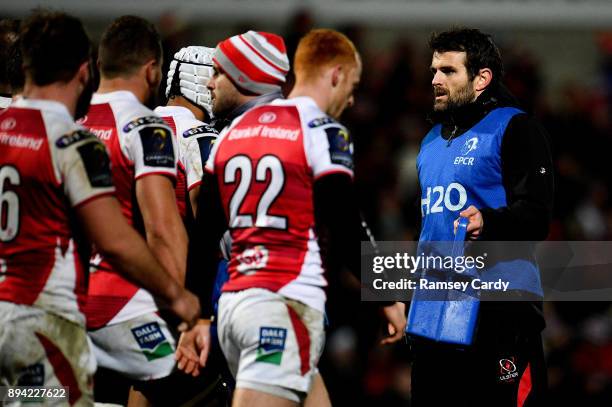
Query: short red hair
[(321, 48)]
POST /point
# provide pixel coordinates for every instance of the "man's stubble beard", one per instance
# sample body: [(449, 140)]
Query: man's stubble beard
[(462, 97)]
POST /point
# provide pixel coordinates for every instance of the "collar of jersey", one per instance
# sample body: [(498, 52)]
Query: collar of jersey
[(115, 95), (43, 104)]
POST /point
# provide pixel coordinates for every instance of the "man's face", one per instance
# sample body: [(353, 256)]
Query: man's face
[(225, 96), (451, 84), (343, 97)]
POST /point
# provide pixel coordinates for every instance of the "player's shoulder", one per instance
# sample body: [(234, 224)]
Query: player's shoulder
[(75, 135), (139, 116), (198, 128)]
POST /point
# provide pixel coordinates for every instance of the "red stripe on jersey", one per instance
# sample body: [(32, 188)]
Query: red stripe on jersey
[(303, 340), (62, 368), (524, 387)]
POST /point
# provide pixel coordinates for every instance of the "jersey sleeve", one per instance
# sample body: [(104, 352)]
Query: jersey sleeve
[(195, 156), (84, 166), (329, 149), (151, 146), (210, 161)]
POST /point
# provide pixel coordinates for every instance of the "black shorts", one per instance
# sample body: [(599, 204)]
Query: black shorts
[(504, 368)]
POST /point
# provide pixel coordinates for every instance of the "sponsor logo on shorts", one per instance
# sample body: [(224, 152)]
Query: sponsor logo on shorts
[(33, 375), (152, 341), (271, 345), (507, 371)]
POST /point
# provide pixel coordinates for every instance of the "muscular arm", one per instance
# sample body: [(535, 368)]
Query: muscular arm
[(527, 176), (165, 233), (123, 247)]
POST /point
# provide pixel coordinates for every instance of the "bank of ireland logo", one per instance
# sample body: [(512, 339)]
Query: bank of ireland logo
[(469, 146), (267, 117), (8, 124), (271, 345), (152, 341)]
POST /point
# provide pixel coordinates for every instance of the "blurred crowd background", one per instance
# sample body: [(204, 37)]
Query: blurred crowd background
[(560, 73)]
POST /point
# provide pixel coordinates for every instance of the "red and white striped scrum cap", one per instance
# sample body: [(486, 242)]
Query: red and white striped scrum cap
[(254, 61)]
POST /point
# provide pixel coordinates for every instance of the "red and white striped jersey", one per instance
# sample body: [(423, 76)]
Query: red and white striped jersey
[(139, 143), (194, 141), (266, 164), (48, 167)]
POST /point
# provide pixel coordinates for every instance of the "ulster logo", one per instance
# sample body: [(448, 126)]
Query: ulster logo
[(507, 371)]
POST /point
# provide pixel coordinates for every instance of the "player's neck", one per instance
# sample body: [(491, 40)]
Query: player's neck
[(312, 91), (64, 93), (132, 84)]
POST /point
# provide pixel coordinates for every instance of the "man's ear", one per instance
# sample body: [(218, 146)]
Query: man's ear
[(337, 75), (482, 79), (83, 74), (151, 69)]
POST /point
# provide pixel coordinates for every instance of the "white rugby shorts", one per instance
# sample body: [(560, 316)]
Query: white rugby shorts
[(43, 349), (272, 344), (141, 348)]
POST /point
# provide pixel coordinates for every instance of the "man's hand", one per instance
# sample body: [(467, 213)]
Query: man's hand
[(396, 316), (474, 228), (193, 347), (186, 306)]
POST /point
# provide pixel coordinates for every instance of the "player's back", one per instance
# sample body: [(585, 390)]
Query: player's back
[(266, 165), (42, 258), (193, 141), (139, 144)]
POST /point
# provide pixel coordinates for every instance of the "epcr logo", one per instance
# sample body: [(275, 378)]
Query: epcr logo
[(267, 117), (8, 124), (469, 146)]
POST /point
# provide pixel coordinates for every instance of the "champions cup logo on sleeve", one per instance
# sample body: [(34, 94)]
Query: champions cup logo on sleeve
[(271, 345), (340, 146), (152, 341), (157, 147)]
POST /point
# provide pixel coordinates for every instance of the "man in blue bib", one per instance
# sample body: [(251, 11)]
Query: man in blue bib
[(484, 159)]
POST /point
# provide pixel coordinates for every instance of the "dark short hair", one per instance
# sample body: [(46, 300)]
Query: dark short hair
[(9, 34), (126, 45), (481, 52), (53, 47)]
